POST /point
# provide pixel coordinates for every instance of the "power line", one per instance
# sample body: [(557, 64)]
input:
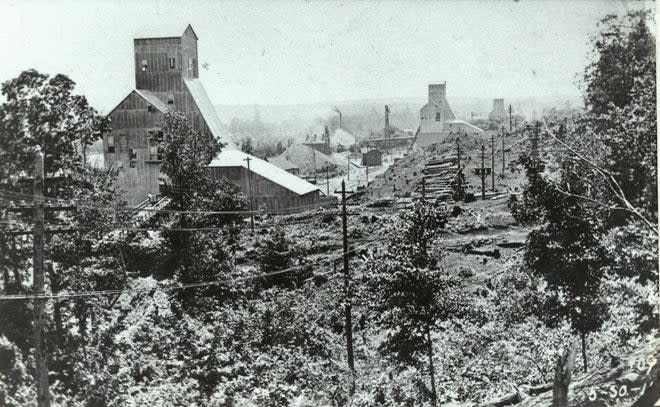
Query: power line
[(177, 287)]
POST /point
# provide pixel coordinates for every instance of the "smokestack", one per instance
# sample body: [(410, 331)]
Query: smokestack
[(339, 112), (387, 121)]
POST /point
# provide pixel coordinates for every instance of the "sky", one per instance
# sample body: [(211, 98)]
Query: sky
[(298, 52)]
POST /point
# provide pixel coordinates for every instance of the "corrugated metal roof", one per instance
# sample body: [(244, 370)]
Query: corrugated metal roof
[(153, 99), (235, 158), (208, 111)]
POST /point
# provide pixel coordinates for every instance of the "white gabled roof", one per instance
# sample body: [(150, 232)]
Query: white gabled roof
[(208, 110), (235, 158)]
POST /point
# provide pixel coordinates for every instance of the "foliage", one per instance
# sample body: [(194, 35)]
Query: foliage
[(42, 112), (408, 297), (602, 194), (275, 255), (186, 154)]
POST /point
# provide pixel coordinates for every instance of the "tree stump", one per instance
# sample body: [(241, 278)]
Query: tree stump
[(563, 373)]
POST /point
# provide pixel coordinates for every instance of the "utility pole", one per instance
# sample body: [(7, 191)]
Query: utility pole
[(40, 346), (367, 174), (510, 118), (503, 162), (492, 161), (38, 184), (327, 181), (248, 159), (386, 130), (458, 154), (314, 159), (348, 327), (483, 173), (348, 160)]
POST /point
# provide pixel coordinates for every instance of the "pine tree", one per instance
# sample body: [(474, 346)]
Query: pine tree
[(410, 296)]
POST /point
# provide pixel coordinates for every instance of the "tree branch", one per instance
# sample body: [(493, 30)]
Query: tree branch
[(614, 186)]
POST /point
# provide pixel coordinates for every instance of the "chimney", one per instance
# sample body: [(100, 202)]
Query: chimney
[(339, 112), (387, 122)]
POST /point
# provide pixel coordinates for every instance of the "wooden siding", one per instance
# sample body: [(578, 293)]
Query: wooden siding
[(131, 120), (266, 192), (372, 158)]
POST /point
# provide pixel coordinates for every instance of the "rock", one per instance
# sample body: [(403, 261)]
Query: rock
[(628, 378)]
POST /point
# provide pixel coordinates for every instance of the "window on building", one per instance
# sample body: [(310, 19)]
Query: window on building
[(150, 108), (170, 99), (172, 63), (154, 155), (438, 117), (144, 65), (132, 154), (190, 63), (131, 164), (152, 136), (111, 144)]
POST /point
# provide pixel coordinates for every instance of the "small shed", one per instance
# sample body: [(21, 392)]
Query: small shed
[(372, 158)]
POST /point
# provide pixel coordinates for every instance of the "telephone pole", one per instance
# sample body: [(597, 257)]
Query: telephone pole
[(510, 117), (327, 180), (503, 162), (248, 159), (367, 175), (347, 291), (492, 161), (38, 184), (348, 161), (458, 154), (40, 346), (483, 173)]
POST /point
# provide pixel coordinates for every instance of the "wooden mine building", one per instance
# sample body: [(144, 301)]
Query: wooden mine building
[(166, 78), (372, 158), (266, 185), (437, 121)]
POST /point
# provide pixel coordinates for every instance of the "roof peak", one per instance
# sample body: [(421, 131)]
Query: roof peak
[(163, 31)]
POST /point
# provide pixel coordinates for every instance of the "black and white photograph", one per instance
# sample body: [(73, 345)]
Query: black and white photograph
[(307, 203)]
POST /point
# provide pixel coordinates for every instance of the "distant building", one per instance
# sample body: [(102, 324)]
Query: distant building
[(498, 113), (264, 183), (284, 164), (437, 120), (309, 160), (321, 147), (166, 78), (372, 158)]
